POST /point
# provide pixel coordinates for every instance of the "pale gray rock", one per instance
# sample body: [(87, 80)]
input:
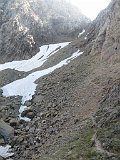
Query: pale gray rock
[(105, 31)]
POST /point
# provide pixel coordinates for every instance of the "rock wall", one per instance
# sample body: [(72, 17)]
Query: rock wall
[(106, 30)]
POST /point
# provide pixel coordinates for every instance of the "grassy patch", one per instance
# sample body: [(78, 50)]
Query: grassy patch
[(109, 136), (78, 148)]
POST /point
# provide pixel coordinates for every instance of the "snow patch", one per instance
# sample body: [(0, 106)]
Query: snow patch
[(23, 108), (83, 31), (36, 61), (26, 87), (5, 152)]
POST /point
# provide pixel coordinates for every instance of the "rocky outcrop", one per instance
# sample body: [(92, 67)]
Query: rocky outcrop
[(6, 131), (111, 45), (104, 32), (27, 24)]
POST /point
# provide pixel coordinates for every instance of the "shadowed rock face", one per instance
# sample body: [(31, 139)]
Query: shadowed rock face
[(27, 24)]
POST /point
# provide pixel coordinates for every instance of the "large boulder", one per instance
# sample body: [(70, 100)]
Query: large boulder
[(6, 131)]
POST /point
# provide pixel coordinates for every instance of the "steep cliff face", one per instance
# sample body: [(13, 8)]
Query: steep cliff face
[(111, 45), (15, 41), (104, 32), (27, 24)]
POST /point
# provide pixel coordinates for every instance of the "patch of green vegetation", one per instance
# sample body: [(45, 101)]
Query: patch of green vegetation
[(109, 136), (115, 145), (79, 148)]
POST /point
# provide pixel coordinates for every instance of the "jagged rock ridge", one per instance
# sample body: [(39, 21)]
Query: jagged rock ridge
[(27, 24)]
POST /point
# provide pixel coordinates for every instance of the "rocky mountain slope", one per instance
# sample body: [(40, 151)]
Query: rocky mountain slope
[(25, 25), (75, 110)]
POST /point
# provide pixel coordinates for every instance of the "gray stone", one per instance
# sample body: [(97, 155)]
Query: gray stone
[(27, 103), (2, 141), (13, 122), (1, 158), (6, 131), (1, 91), (30, 115), (38, 99)]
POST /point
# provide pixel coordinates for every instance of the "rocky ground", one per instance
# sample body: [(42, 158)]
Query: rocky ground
[(61, 111), (75, 111), (9, 75)]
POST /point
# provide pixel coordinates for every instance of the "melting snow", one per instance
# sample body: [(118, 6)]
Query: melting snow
[(36, 61), (26, 87), (22, 108), (5, 151), (83, 31)]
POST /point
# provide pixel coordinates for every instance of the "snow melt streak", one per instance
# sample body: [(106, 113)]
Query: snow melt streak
[(83, 31), (36, 61), (26, 87), (22, 108)]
